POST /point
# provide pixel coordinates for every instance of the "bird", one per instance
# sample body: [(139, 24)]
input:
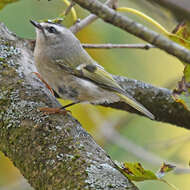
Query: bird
[(72, 73)]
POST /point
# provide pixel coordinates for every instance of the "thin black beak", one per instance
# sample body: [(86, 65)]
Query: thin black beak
[(36, 24)]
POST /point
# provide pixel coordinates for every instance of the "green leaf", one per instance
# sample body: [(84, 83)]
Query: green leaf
[(135, 172)]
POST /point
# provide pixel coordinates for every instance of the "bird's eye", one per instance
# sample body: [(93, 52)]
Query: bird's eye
[(51, 29)]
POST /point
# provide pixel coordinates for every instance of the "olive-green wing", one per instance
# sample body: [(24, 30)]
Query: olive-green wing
[(98, 75)]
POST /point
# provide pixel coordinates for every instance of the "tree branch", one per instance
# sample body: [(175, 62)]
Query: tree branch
[(55, 150), (158, 101), (181, 9), (111, 46), (51, 151), (89, 19), (111, 16)]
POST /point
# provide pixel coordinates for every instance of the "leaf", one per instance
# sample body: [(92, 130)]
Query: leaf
[(135, 172), (182, 31), (5, 2), (165, 168), (183, 91), (184, 99), (181, 34)]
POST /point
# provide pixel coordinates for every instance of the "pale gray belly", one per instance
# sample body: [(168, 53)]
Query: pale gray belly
[(76, 89)]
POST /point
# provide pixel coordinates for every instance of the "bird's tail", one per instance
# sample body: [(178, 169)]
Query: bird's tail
[(133, 103)]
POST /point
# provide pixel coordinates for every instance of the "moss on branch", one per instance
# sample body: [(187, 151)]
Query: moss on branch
[(51, 151)]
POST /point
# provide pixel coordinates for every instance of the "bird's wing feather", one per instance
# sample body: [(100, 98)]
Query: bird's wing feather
[(99, 75), (105, 80)]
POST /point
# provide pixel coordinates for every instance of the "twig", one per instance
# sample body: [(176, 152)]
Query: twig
[(110, 46), (89, 19), (68, 9), (111, 16), (108, 132)]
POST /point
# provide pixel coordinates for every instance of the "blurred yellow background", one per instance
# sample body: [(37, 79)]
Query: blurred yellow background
[(153, 66)]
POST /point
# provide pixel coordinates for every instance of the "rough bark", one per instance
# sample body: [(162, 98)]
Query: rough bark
[(158, 100), (51, 151), (54, 152)]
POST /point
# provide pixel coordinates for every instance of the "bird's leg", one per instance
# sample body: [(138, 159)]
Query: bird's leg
[(54, 110), (60, 110), (47, 85), (49, 110)]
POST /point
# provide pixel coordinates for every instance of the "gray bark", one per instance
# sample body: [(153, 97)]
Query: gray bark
[(123, 22)]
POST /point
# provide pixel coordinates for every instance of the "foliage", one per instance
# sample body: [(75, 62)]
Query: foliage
[(135, 172)]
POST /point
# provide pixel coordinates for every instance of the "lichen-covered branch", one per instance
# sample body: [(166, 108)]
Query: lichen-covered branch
[(158, 100), (111, 16), (51, 151)]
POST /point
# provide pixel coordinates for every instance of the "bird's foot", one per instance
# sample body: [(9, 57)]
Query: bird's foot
[(47, 85), (49, 111)]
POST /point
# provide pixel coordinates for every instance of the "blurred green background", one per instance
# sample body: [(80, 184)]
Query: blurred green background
[(153, 66)]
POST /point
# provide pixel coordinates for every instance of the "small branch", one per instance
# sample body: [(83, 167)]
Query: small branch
[(68, 9), (111, 16), (89, 19), (110, 46)]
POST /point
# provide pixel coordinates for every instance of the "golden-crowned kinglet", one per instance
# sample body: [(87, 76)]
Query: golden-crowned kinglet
[(72, 73)]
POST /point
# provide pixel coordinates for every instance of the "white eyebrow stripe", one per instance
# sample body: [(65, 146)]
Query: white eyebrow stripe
[(57, 27)]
